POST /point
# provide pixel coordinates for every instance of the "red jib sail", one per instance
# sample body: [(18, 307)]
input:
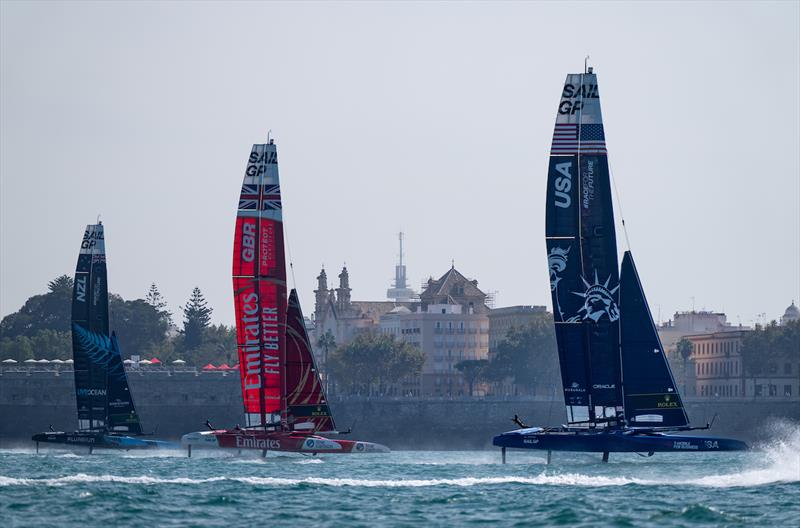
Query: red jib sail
[(305, 394), (259, 287)]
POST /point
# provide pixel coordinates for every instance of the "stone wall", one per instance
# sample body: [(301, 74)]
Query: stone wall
[(173, 403)]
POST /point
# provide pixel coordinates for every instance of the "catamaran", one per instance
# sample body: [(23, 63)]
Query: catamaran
[(619, 391), (107, 417), (284, 400)]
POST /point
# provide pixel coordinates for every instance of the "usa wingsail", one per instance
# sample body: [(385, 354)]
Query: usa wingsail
[(618, 388)]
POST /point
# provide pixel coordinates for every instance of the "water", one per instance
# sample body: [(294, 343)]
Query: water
[(404, 488)]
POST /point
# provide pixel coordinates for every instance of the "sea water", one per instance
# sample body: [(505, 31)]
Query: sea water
[(403, 488)]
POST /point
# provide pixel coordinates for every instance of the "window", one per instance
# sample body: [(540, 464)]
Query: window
[(787, 391), (773, 390), (787, 368), (759, 390)]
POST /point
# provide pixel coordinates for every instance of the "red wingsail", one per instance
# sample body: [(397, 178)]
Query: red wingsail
[(259, 287), (304, 392)]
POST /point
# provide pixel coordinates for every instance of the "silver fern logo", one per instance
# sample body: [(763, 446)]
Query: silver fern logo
[(100, 351), (598, 300)]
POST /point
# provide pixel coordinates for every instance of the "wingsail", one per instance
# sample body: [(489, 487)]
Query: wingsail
[(582, 255), (259, 285)]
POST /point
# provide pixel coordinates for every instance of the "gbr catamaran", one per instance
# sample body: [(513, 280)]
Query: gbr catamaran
[(107, 417), (619, 391), (284, 400)]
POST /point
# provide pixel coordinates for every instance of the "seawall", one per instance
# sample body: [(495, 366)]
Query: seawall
[(172, 403)]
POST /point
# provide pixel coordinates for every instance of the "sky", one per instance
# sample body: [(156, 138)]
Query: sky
[(430, 118)]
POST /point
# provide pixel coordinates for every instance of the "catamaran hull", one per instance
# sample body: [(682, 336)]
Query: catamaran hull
[(613, 441), (292, 442), (101, 441)]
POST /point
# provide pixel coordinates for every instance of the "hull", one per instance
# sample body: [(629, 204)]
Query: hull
[(292, 442), (99, 440), (618, 441)]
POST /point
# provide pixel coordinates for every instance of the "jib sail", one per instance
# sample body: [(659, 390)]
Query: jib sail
[(122, 414), (582, 256), (259, 286), (651, 397), (305, 395), (90, 341)]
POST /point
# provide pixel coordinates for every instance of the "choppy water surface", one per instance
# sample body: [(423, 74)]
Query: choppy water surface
[(402, 488)]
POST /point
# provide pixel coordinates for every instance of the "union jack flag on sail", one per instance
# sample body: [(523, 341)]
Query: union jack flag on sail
[(571, 138)]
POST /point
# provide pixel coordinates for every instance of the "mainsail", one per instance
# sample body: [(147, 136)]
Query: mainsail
[(582, 256), (305, 394), (101, 385), (259, 285), (651, 397)]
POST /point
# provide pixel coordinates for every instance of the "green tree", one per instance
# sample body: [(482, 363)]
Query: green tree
[(196, 318), (473, 370), (370, 361), (528, 355), (767, 347), (49, 311), (139, 326), (157, 301)]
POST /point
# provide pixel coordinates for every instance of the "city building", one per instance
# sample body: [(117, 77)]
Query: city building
[(792, 313), (501, 320), (684, 324), (718, 368), (341, 318), (450, 324)]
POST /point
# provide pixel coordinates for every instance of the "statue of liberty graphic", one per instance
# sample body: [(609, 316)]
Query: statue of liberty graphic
[(557, 262)]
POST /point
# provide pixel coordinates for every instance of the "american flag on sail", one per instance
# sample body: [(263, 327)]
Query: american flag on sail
[(566, 139)]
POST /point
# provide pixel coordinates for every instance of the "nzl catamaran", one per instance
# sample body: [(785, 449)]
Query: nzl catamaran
[(619, 391), (284, 401), (107, 417)]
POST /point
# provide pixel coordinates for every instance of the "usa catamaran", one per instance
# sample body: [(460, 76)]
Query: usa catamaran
[(284, 401), (107, 417), (619, 390)]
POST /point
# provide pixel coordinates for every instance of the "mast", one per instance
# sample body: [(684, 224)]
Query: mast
[(259, 284), (582, 255)]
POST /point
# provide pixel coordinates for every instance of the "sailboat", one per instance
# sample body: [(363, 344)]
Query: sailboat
[(107, 417), (619, 391), (285, 407)]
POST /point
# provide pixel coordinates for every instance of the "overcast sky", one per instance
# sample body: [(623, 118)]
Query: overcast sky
[(433, 118)]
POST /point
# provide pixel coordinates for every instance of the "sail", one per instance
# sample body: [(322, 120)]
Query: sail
[(259, 285), (305, 395), (651, 397), (122, 415), (582, 255), (90, 342)]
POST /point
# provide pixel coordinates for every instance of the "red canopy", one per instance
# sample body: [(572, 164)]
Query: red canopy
[(155, 361), (224, 366), (209, 367)]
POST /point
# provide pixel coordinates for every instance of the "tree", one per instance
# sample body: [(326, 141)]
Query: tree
[(766, 347), (157, 301), (326, 342), (139, 326), (49, 311), (196, 318), (528, 355), (684, 349), (473, 370), (370, 361)]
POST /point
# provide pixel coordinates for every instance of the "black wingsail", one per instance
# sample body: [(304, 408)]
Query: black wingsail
[(90, 341), (651, 397), (101, 385), (582, 256)]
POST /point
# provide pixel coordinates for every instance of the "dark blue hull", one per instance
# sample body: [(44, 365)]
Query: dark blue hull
[(100, 440), (614, 441)]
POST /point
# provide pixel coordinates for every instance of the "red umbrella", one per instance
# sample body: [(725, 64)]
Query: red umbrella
[(209, 367), (224, 366), (155, 361)]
